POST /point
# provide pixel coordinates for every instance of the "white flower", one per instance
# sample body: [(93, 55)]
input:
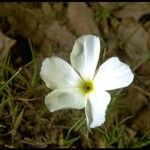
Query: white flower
[(83, 86)]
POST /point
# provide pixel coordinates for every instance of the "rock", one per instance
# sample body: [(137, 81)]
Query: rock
[(81, 18)]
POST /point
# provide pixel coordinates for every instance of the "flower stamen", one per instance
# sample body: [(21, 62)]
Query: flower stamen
[(86, 86)]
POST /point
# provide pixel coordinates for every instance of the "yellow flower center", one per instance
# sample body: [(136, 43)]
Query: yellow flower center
[(86, 86)]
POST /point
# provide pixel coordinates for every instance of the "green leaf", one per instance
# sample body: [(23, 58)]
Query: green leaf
[(18, 121)]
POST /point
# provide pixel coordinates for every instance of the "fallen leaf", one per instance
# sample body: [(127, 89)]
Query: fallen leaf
[(81, 18), (142, 122), (133, 39), (129, 135), (135, 10), (17, 122), (46, 9), (143, 70), (58, 7), (132, 103), (5, 45), (61, 35)]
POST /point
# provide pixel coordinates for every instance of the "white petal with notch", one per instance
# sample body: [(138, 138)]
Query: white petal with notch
[(113, 74), (64, 99), (96, 108), (57, 73), (85, 54)]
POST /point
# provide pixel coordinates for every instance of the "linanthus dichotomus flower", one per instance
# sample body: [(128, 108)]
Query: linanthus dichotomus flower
[(80, 85)]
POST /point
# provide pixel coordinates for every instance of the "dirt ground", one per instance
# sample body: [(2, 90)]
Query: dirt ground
[(52, 29)]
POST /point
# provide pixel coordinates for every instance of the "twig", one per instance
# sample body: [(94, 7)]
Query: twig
[(142, 90)]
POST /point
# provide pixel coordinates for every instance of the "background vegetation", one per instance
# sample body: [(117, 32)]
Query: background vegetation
[(29, 32)]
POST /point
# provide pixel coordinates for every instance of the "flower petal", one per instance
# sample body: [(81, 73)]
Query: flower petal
[(113, 74), (57, 73), (96, 108), (64, 98), (85, 55)]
